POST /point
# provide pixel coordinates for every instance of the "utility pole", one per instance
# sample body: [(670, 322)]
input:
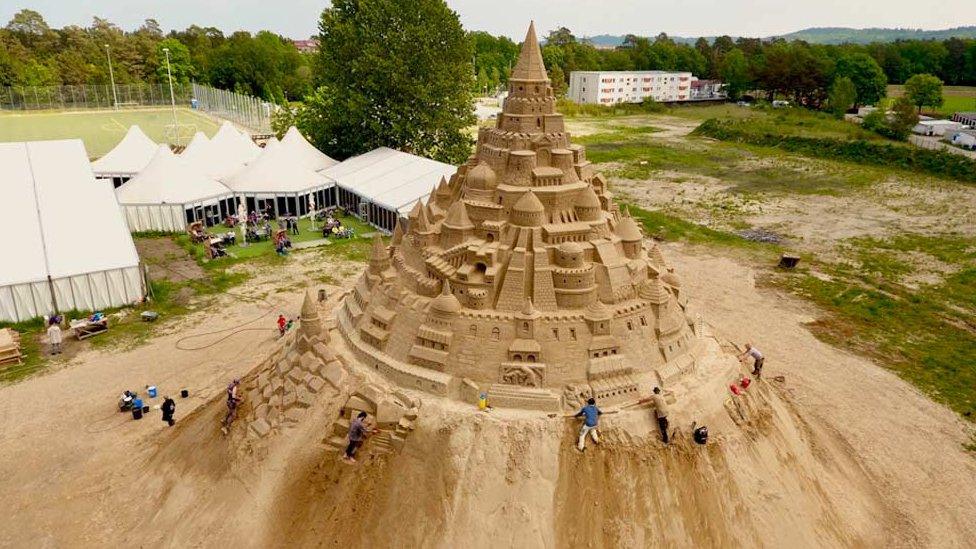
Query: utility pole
[(172, 99), (111, 74)]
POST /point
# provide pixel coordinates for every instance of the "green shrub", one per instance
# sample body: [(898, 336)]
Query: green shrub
[(893, 155)]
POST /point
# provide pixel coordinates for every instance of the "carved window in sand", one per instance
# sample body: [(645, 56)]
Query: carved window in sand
[(495, 334), (473, 330)]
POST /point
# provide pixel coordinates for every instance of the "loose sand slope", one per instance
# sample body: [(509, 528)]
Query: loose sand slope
[(841, 454)]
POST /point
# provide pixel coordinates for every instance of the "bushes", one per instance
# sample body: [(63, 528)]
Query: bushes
[(569, 108), (936, 162)]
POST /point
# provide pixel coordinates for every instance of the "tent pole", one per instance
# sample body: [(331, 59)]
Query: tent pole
[(54, 298)]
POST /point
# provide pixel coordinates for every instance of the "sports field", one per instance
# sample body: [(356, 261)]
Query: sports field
[(957, 98), (101, 130)]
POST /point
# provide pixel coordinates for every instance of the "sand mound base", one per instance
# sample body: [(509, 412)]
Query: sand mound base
[(767, 478)]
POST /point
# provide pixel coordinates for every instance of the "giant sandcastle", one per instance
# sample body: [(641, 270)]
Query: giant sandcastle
[(520, 277)]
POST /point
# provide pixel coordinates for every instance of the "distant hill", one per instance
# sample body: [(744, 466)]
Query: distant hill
[(841, 35), (828, 35)]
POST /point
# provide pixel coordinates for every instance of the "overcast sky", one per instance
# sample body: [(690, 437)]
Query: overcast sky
[(298, 18)]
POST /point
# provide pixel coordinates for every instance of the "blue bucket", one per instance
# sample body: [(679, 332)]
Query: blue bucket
[(152, 391)]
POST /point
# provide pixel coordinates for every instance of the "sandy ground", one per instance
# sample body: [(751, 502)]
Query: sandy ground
[(841, 454)]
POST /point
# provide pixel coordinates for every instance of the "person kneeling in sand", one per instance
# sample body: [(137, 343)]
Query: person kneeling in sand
[(358, 431), (591, 416)]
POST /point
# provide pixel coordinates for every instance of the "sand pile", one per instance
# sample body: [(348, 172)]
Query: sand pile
[(514, 478)]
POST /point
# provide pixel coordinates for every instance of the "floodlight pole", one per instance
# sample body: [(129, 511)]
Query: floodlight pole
[(111, 75), (172, 99)]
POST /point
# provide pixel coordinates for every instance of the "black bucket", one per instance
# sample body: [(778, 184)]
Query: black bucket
[(184, 393), (137, 413), (145, 409)]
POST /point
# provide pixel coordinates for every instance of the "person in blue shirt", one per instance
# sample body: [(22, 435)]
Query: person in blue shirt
[(590, 414)]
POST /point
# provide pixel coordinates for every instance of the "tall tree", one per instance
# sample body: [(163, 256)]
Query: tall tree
[(843, 94), (179, 61), (558, 80), (735, 73), (392, 73), (866, 75), (924, 89)]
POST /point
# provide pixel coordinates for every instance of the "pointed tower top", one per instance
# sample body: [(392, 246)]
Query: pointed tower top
[(309, 310), (420, 224), (457, 217), (379, 258), (529, 65), (397, 233), (443, 189)]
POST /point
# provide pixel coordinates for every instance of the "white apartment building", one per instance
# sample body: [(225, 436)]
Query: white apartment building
[(609, 87)]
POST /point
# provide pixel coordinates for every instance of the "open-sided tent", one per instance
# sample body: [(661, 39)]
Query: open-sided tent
[(169, 193), (126, 159), (379, 185), (227, 152), (65, 246), (281, 180), (310, 157)]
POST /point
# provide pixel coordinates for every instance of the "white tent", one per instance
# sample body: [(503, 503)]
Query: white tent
[(127, 158), (380, 184), (227, 152), (196, 147), (170, 193), (281, 180), (311, 157), (65, 246)]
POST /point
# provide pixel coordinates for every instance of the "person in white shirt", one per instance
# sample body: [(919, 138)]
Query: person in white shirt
[(757, 358), (54, 338)]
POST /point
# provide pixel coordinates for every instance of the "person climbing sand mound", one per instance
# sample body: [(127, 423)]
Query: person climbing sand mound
[(233, 401), (757, 358), (591, 417), (660, 412), (358, 431)]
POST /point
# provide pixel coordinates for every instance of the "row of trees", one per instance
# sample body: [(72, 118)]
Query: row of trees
[(265, 64)]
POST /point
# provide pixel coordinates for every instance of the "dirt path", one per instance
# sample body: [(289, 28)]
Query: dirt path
[(847, 454)]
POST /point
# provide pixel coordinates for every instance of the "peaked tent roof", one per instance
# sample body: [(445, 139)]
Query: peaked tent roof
[(48, 187), (312, 158), (530, 65), (226, 153), (169, 179), (130, 155), (196, 145), (280, 169), (271, 145), (392, 179)]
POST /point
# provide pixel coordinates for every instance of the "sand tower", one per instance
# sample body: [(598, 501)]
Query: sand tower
[(520, 276)]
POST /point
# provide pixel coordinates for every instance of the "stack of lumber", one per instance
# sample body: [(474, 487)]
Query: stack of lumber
[(9, 347)]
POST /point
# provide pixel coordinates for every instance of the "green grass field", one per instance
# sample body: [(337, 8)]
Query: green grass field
[(957, 98), (101, 130)]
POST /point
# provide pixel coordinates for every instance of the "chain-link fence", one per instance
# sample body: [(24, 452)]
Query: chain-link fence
[(91, 96), (245, 110)]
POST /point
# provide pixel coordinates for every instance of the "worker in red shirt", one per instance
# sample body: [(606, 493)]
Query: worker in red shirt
[(282, 325)]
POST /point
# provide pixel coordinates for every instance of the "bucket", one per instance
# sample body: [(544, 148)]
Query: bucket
[(152, 391), (145, 409), (184, 393), (137, 413)]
